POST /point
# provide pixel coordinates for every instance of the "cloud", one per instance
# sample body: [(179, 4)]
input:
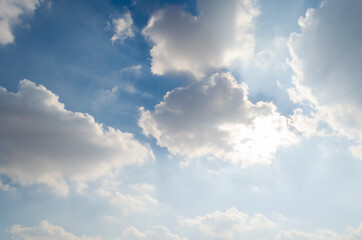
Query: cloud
[(326, 58), (122, 27), (351, 234), (220, 33), (10, 15), (6, 187), (133, 202), (227, 224), (134, 198), (156, 233), (134, 68), (297, 235), (44, 231), (216, 118), (42, 142)]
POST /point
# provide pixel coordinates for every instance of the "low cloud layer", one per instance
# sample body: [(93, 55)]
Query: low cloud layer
[(156, 233), (10, 16), (351, 234), (217, 119), (326, 57), (44, 231), (42, 142), (228, 224), (221, 32)]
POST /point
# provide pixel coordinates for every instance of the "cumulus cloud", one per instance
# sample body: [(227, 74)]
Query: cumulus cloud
[(42, 142), (122, 27), (11, 12), (220, 33), (216, 118), (326, 58), (228, 224), (44, 231), (156, 233)]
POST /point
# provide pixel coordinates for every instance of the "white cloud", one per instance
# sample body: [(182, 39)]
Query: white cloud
[(326, 58), (216, 118), (351, 234), (354, 233), (156, 233), (11, 12), (227, 224), (298, 235), (42, 142), (44, 231), (133, 68), (133, 198), (220, 33), (122, 27), (133, 202), (6, 187)]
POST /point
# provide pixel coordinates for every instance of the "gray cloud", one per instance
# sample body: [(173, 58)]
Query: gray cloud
[(42, 142), (326, 58), (219, 34), (216, 118)]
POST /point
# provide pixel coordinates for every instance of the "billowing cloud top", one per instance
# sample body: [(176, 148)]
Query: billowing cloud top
[(42, 142), (195, 44), (217, 119), (326, 59)]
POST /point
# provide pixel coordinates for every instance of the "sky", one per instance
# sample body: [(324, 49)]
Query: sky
[(180, 120)]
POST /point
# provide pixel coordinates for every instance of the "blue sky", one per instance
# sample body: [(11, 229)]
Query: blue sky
[(175, 120)]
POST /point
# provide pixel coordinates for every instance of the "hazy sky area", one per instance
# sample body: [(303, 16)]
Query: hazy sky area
[(180, 120)]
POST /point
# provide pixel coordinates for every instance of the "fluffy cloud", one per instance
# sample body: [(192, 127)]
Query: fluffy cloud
[(122, 27), (10, 15), (220, 33), (42, 142), (44, 231), (227, 224), (216, 118), (156, 233), (326, 58)]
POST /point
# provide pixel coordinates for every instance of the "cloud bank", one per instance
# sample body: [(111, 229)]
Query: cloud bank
[(44, 231), (156, 233), (42, 142), (228, 224)]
